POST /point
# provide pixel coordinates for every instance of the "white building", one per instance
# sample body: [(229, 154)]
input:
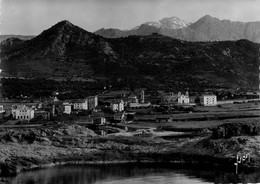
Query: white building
[(22, 112), (81, 104), (67, 108), (183, 98), (117, 106), (1, 112), (208, 100), (2, 109)]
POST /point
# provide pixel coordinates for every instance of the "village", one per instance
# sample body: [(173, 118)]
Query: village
[(122, 111)]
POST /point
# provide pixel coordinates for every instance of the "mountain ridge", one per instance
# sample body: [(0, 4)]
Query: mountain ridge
[(68, 52), (207, 28)]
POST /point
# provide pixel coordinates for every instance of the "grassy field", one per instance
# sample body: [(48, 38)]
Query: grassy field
[(191, 124), (208, 117), (230, 107)]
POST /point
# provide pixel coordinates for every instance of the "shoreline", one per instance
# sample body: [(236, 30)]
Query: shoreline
[(35, 148), (191, 162)]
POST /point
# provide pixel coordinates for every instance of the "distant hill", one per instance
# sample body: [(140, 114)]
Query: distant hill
[(206, 28), (21, 37), (67, 52)]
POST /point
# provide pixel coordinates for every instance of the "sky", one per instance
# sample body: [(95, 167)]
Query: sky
[(31, 17)]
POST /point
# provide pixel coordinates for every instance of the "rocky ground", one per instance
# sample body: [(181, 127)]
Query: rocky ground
[(22, 149)]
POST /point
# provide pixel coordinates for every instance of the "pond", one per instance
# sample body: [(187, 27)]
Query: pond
[(132, 174)]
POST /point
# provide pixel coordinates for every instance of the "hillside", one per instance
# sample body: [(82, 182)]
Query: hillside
[(206, 28), (67, 52), (61, 51)]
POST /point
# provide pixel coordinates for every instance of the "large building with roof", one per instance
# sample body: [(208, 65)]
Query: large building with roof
[(208, 100), (22, 112)]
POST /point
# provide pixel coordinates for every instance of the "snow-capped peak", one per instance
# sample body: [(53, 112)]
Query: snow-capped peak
[(154, 24), (166, 23), (173, 23)]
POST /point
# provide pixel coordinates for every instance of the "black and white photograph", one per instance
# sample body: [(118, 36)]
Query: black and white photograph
[(129, 91)]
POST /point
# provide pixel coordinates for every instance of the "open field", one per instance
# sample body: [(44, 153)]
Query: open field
[(190, 124), (230, 107)]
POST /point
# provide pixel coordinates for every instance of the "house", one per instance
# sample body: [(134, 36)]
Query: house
[(183, 98), (133, 102), (67, 108), (99, 120), (117, 106), (170, 98), (81, 104), (120, 117), (2, 109), (92, 102), (132, 99), (208, 100), (22, 112), (2, 112)]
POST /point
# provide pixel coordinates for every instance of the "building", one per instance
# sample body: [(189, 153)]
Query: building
[(92, 102), (67, 108), (22, 112), (99, 120), (169, 99), (2, 109), (2, 112), (117, 106), (133, 102), (208, 100), (80, 104), (120, 117), (183, 98)]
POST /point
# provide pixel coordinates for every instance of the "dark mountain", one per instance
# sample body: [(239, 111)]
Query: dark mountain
[(21, 37), (59, 52), (206, 28), (68, 52)]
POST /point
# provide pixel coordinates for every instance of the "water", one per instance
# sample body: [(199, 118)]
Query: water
[(131, 174)]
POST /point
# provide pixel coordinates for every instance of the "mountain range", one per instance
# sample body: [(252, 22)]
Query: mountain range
[(206, 28), (156, 61)]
